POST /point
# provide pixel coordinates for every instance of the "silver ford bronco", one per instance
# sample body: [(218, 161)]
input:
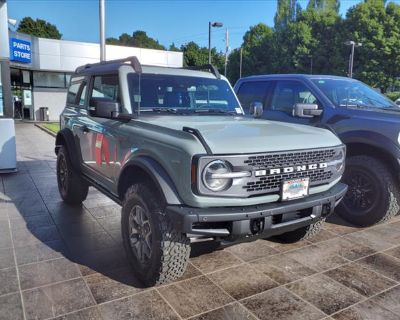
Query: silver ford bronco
[(172, 147)]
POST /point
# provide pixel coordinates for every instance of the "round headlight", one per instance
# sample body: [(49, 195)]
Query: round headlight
[(217, 167), (340, 158)]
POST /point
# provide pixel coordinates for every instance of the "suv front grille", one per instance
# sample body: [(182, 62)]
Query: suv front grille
[(272, 183), (279, 160)]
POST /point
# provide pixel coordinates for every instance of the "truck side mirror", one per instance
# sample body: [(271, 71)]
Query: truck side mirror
[(304, 110), (104, 108), (256, 109)]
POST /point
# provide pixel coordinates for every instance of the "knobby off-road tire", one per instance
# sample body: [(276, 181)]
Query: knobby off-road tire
[(170, 249), (303, 233), (73, 189), (373, 195)]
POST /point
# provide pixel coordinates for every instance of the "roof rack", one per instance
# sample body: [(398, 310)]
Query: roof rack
[(133, 61), (206, 67)]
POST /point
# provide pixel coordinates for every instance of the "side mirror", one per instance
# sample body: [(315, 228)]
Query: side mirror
[(256, 109), (303, 110), (104, 108)]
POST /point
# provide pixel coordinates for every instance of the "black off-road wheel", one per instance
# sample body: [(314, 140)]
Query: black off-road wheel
[(73, 189), (373, 195), (303, 233), (157, 252)]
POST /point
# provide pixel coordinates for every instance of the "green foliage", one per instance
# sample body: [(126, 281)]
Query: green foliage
[(316, 36), (286, 12), (256, 42), (172, 47), (52, 126), (324, 5), (138, 39), (393, 95), (377, 27), (39, 28), (194, 55)]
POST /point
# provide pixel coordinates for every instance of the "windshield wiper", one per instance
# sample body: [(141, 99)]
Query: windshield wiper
[(170, 110), (214, 111)]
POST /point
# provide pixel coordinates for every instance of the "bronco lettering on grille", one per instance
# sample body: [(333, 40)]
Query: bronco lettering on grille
[(314, 166)]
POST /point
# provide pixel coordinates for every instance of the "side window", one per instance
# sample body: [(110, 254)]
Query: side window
[(288, 93), (252, 91), (106, 87), (76, 91)]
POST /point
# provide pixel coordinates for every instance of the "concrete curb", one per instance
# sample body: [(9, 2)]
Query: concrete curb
[(45, 130)]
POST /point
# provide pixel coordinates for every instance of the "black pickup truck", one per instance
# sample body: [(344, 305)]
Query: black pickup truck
[(366, 121)]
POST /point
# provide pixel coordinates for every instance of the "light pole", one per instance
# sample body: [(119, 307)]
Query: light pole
[(213, 25), (353, 45), (240, 62), (102, 30), (226, 50)]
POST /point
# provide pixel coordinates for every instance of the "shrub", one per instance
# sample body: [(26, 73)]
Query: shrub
[(393, 95)]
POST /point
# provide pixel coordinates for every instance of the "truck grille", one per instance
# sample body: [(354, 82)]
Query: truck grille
[(272, 183)]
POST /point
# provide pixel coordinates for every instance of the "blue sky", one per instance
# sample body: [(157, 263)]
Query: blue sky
[(168, 21)]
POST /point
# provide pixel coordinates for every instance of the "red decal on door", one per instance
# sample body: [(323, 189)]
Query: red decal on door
[(102, 149)]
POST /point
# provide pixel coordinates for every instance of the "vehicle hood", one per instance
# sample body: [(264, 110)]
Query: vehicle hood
[(233, 135)]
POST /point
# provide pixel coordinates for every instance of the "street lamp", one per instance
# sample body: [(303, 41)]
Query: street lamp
[(214, 25), (12, 22), (353, 45)]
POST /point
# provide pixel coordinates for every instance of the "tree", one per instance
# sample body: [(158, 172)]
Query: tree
[(194, 55), (324, 5), (377, 27), (255, 51), (286, 12), (139, 39), (38, 28), (173, 47)]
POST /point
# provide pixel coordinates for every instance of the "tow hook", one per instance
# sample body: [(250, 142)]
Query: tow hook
[(257, 225)]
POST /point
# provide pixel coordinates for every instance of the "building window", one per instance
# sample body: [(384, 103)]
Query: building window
[(49, 79)]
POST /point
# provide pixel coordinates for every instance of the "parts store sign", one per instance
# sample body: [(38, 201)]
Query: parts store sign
[(20, 50)]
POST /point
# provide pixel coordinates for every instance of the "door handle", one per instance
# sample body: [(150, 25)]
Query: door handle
[(85, 129)]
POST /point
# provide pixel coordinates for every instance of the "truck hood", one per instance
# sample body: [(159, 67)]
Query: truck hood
[(233, 135)]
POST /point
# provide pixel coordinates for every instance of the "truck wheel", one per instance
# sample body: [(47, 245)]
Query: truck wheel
[(373, 194), (73, 189), (303, 233), (157, 252)]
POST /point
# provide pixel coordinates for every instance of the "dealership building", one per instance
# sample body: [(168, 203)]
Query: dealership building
[(38, 70)]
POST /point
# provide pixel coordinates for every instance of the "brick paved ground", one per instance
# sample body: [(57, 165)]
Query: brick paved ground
[(67, 263)]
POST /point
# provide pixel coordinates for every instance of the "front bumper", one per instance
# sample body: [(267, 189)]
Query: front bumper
[(274, 218)]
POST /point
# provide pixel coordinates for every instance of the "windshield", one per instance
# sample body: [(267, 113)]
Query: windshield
[(181, 94), (351, 93)]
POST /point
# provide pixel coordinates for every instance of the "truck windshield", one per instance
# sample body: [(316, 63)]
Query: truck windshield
[(181, 94), (352, 93)]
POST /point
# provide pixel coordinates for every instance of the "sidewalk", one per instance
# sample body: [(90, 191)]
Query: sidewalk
[(67, 263)]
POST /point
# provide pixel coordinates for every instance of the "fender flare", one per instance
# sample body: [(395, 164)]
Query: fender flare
[(374, 140), (66, 137), (159, 176)]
